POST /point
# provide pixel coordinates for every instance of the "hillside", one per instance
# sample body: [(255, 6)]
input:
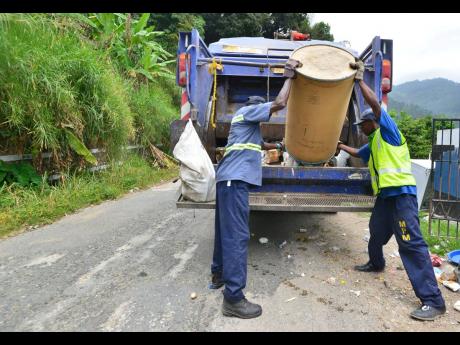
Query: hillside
[(427, 97)]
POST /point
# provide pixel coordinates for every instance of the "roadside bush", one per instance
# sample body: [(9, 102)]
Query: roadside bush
[(53, 83)]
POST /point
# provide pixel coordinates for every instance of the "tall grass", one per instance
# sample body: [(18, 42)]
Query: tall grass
[(51, 80), (154, 107), (21, 207)]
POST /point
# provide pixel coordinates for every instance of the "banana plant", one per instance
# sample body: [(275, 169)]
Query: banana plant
[(133, 44)]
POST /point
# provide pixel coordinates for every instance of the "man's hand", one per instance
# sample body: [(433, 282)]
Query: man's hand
[(289, 69), (280, 146), (337, 150), (359, 66)]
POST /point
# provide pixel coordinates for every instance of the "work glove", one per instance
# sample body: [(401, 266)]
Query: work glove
[(289, 69), (359, 66)]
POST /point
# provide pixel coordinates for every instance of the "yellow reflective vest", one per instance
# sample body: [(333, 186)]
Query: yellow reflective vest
[(389, 165)]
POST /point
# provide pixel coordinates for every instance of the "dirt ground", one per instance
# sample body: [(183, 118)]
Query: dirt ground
[(324, 293)]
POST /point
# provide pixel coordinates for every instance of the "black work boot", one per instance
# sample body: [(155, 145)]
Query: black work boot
[(216, 281), (369, 267), (427, 313), (242, 309)]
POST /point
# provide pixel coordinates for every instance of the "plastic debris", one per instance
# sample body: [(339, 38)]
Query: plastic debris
[(437, 246), (451, 285), (457, 305), (290, 299), (282, 244), (302, 274), (302, 230), (263, 240), (396, 253), (342, 282), (193, 295), (356, 292), (437, 273), (366, 238), (435, 260), (331, 280), (344, 234)]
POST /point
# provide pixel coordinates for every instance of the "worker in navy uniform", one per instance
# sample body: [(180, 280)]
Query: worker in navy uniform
[(238, 171), (396, 210)]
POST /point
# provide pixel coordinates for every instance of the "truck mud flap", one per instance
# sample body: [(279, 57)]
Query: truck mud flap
[(296, 202)]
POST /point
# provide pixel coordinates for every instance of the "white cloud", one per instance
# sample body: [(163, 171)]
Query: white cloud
[(425, 45)]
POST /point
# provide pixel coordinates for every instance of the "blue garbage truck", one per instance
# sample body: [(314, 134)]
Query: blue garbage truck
[(217, 79)]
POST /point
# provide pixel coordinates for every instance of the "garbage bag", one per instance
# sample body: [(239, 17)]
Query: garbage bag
[(197, 172)]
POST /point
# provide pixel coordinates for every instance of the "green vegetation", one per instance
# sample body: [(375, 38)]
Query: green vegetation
[(53, 83), (22, 207), (418, 132), (441, 244)]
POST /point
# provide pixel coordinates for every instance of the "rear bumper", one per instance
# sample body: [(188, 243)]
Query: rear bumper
[(306, 189), (297, 202)]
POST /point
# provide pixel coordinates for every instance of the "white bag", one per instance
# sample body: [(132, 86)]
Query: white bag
[(196, 170)]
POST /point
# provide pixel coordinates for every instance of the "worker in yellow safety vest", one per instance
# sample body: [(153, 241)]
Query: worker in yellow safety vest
[(396, 210)]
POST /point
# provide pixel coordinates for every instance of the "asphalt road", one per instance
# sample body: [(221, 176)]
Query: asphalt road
[(131, 265)]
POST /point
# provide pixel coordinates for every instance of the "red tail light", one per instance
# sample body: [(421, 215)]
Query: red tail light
[(182, 72), (386, 85), (386, 76)]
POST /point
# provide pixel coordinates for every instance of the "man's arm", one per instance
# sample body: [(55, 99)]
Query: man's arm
[(371, 98), (270, 146), (282, 98), (351, 150), (368, 94)]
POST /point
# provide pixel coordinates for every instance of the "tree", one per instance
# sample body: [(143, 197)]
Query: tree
[(173, 23), (220, 25), (321, 31)]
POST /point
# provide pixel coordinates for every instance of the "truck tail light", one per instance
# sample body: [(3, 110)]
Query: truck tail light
[(182, 72), (386, 76), (386, 85)]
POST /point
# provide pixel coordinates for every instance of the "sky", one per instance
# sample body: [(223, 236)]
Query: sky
[(425, 45)]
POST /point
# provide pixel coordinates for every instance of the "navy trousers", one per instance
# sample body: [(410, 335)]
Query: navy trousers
[(398, 215), (231, 237)]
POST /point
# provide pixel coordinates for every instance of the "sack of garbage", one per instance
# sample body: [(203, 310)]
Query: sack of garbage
[(196, 170)]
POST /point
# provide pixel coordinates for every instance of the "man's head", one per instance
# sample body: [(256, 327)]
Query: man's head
[(368, 122), (255, 100)]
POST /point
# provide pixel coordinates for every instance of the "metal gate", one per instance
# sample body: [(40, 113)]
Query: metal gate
[(444, 216)]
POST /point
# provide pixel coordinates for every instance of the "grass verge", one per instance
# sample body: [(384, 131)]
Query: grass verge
[(21, 207), (439, 245)]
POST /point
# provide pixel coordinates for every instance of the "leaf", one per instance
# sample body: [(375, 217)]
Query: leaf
[(142, 22), (145, 73), (80, 148)]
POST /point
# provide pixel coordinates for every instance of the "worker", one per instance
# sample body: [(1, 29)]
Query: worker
[(239, 170), (396, 210)]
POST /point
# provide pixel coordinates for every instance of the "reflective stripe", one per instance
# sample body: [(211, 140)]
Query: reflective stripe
[(395, 170), (248, 146), (238, 118)]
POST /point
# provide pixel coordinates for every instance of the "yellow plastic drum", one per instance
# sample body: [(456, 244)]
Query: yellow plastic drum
[(318, 102)]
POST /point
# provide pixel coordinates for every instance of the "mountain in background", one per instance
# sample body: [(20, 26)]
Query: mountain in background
[(434, 97)]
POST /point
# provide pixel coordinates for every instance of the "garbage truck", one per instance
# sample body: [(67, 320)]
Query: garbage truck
[(216, 81)]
